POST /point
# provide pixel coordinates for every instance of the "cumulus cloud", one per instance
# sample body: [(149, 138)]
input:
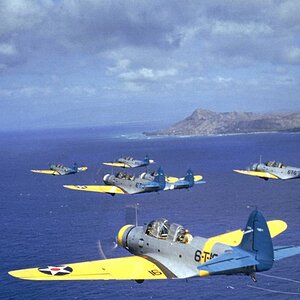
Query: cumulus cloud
[(148, 46), (242, 29)]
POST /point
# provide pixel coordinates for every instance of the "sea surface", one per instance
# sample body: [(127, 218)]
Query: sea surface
[(44, 224)]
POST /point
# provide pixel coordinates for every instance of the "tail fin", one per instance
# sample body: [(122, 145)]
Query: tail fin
[(146, 160), (189, 177), (160, 178), (257, 239), (75, 167)]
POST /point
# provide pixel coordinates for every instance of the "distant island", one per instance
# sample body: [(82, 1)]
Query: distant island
[(206, 122)]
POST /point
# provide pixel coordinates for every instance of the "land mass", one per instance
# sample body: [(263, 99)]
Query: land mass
[(206, 122)]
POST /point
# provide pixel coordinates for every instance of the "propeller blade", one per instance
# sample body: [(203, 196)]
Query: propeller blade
[(131, 214), (106, 247)]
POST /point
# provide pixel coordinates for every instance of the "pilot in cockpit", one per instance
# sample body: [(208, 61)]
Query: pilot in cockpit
[(184, 236)]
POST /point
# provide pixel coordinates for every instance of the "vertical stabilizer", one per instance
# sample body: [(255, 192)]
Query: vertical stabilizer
[(189, 177), (160, 178), (146, 160), (75, 167), (257, 239)]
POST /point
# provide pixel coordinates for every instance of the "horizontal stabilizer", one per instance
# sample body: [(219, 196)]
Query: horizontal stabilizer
[(96, 188), (281, 252), (230, 260), (257, 174), (199, 182)]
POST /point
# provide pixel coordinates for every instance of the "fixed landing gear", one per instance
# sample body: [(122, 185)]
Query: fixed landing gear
[(139, 281), (253, 277)]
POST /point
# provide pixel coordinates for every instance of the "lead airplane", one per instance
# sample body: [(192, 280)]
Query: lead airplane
[(162, 250), (123, 183), (173, 183), (271, 170), (130, 162), (58, 169)]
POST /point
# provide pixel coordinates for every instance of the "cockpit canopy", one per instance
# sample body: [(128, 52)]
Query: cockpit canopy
[(123, 175), (273, 163), (162, 229), (126, 158), (158, 228)]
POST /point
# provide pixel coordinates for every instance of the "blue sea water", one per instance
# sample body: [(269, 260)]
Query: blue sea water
[(43, 224)]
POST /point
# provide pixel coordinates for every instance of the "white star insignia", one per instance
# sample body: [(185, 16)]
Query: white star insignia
[(53, 270)]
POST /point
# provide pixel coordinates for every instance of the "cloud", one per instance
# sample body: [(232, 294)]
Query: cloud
[(251, 31), (26, 92), (147, 74), (7, 49), (149, 49)]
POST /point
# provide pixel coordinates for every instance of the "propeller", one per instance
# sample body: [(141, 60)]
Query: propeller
[(97, 174), (107, 246)]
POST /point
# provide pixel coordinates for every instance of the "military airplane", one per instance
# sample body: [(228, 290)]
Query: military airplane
[(130, 162), (163, 250), (124, 183), (177, 183), (57, 169), (271, 170)]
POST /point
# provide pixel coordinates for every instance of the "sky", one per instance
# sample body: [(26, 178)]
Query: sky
[(92, 63)]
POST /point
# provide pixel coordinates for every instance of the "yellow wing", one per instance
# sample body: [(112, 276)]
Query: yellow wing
[(257, 174), (81, 169), (96, 188), (234, 238), (117, 164), (197, 178), (48, 172), (172, 179), (123, 268)]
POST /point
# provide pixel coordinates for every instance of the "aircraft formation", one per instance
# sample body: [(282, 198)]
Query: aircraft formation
[(164, 250)]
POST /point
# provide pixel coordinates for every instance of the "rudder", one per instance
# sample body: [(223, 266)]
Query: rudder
[(257, 239)]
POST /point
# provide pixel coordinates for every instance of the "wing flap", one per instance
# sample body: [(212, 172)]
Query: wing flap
[(96, 188), (281, 252), (124, 268), (257, 174), (48, 172)]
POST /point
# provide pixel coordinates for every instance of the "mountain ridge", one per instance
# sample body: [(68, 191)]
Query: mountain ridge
[(207, 122)]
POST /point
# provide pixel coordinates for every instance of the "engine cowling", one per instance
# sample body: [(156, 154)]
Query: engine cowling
[(123, 235)]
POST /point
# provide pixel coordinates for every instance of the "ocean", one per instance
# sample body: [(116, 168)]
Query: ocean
[(44, 224)]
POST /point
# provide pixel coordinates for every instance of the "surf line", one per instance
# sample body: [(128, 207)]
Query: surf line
[(272, 291)]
